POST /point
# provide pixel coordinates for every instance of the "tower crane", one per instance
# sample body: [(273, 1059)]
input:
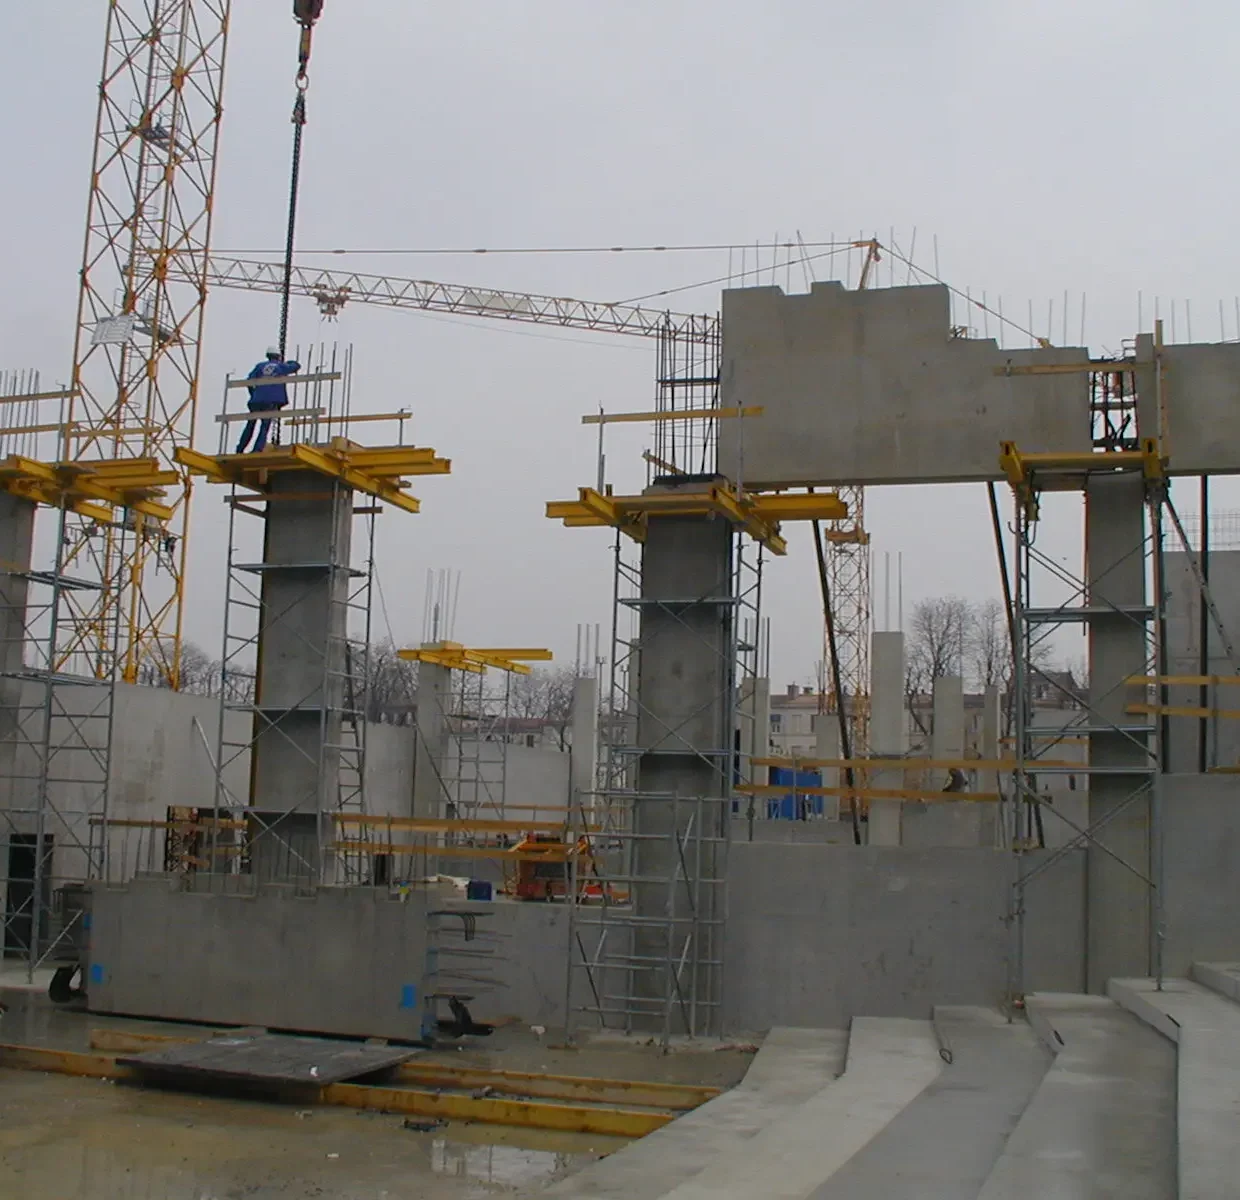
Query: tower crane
[(848, 553)]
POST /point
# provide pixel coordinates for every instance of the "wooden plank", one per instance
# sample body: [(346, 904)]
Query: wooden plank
[(62, 1062), (864, 793), (1182, 710)]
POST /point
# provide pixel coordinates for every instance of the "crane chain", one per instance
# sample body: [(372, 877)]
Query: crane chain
[(305, 13)]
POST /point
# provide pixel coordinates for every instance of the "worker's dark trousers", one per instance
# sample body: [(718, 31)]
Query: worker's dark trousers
[(263, 425)]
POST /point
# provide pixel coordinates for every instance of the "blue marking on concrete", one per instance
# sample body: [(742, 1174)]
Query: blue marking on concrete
[(408, 996)]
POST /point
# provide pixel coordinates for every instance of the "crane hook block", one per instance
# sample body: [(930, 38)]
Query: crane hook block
[(306, 12)]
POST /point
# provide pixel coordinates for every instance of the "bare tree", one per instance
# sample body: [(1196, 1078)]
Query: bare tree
[(988, 646), (389, 683), (199, 674), (545, 695), (935, 645)]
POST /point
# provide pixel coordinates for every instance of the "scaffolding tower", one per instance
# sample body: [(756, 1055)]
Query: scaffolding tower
[(646, 949)]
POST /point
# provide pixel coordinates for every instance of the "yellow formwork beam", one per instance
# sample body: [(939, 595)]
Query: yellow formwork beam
[(456, 657), (375, 471), (91, 487), (923, 794), (760, 515)]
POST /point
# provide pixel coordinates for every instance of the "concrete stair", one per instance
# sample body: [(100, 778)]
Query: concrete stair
[(1101, 1124), (943, 1145), (891, 1061), (791, 1066), (1201, 1017)]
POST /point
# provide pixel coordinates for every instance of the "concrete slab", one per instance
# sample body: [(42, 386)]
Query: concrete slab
[(890, 1062), (1206, 1030), (945, 1143), (791, 1066), (1101, 1125)]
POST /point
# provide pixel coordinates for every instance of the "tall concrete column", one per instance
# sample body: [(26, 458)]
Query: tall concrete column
[(993, 780), (888, 732), (685, 745), (16, 550), (16, 544), (434, 702), (1118, 913), (583, 754), (754, 713), (826, 728), (300, 691), (947, 739)]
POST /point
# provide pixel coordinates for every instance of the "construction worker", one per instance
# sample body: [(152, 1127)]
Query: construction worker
[(270, 397)]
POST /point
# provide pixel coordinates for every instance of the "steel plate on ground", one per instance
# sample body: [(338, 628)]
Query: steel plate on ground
[(268, 1058)]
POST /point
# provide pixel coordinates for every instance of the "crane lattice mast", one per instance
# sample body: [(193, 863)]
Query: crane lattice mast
[(137, 346)]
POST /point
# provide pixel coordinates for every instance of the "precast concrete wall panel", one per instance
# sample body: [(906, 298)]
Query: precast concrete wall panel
[(820, 934), (1200, 400), (870, 387)]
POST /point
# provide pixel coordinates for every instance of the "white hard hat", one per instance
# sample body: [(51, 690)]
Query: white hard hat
[(273, 352)]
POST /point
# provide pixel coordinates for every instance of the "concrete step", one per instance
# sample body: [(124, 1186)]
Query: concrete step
[(791, 1066), (1101, 1125), (890, 1062), (1205, 1027), (945, 1143), (1223, 978)]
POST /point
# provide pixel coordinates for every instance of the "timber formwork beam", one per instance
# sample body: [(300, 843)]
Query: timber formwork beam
[(91, 487), (759, 515), (1031, 474), (375, 471)]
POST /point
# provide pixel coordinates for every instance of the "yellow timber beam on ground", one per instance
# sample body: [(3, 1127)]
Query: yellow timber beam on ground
[(530, 1114), (758, 514), (375, 471), (680, 1097), (456, 657), (91, 487), (1031, 474)]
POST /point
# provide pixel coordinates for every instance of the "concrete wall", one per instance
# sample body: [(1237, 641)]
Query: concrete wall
[(1201, 399), (820, 934), (870, 387), (334, 960), (1201, 855), (1183, 604)]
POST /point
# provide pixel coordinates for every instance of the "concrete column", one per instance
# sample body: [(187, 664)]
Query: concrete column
[(687, 745), (16, 542), (1118, 912), (947, 739), (992, 723), (300, 690), (583, 756), (754, 723), (888, 732), (827, 745), (434, 703)]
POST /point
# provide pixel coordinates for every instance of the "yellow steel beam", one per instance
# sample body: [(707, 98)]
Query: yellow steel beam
[(683, 414)]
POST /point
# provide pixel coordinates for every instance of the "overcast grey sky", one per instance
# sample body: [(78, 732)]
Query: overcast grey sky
[(1072, 145)]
